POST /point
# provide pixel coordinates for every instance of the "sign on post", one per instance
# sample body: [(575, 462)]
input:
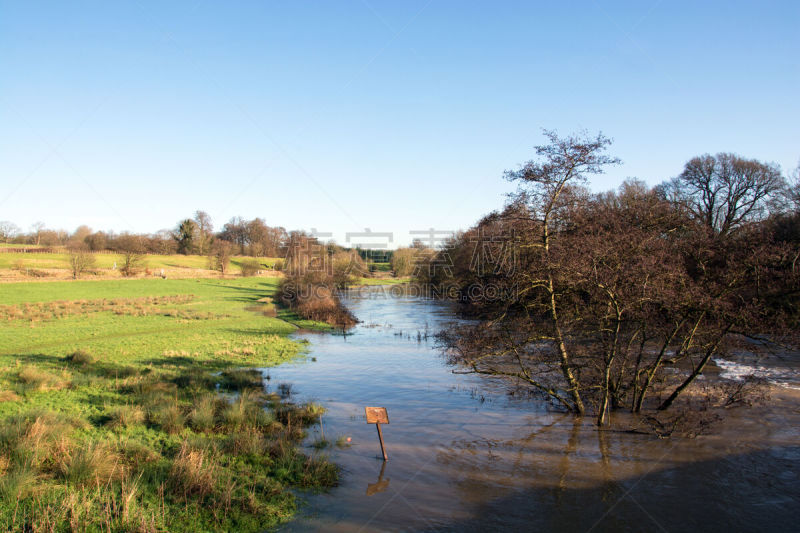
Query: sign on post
[(378, 416)]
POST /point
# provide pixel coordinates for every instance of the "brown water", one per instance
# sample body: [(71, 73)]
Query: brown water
[(466, 456)]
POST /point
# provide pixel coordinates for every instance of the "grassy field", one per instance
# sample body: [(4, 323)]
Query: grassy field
[(129, 405), (21, 264), (383, 281)]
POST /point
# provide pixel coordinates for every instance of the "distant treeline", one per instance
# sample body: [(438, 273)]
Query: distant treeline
[(191, 236)]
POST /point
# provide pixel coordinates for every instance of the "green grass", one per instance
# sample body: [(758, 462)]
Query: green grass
[(105, 261), (382, 281), (380, 267), (126, 411)]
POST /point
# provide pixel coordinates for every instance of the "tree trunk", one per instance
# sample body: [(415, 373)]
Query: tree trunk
[(697, 371), (566, 368)]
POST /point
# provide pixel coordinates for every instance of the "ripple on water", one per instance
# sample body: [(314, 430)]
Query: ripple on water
[(466, 456)]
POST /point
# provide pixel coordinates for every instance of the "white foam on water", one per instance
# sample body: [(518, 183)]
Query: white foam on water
[(783, 377)]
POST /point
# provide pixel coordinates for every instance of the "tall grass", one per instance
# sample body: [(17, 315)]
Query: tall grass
[(193, 472), (94, 464), (36, 379)]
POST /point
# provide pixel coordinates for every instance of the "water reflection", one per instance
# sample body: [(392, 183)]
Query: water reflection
[(505, 463), (380, 485)]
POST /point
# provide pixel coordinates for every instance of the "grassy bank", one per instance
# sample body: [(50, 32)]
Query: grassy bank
[(128, 405), (22, 265)]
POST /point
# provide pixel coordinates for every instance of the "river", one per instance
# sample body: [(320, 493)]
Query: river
[(466, 455)]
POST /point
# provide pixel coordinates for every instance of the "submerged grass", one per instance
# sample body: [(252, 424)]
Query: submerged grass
[(141, 422)]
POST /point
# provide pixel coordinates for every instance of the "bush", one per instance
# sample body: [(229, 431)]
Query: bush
[(314, 299), (132, 249), (80, 357), (220, 256), (80, 260), (250, 267)]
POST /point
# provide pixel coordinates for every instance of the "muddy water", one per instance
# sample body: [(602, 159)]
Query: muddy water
[(464, 455)]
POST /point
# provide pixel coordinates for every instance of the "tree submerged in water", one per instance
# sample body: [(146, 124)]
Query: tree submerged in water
[(620, 300)]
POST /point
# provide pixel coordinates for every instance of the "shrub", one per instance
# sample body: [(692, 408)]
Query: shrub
[(80, 357), (132, 249), (250, 267), (80, 260), (220, 256)]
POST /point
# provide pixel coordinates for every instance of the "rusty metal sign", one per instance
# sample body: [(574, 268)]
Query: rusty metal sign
[(377, 415)]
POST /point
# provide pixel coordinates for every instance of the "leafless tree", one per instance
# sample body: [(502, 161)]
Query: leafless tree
[(133, 253), (726, 191), (205, 232), (37, 228), (615, 300), (8, 231), (220, 257), (794, 188), (80, 259)]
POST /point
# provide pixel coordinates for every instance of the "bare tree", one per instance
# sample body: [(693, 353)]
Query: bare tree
[(8, 230), (220, 257), (205, 232), (726, 191), (81, 233), (794, 188), (133, 252), (615, 300), (37, 228), (80, 259), (536, 329)]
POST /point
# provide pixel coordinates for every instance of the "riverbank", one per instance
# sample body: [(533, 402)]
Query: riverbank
[(128, 404)]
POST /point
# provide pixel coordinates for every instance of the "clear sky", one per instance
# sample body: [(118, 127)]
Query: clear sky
[(394, 116)]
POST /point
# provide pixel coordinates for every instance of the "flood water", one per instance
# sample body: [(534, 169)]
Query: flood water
[(464, 455)]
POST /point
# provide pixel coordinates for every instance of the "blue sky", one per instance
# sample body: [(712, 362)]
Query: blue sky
[(393, 116)]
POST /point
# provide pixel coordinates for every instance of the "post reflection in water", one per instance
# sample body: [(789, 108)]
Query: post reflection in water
[(466, 456), (380, 485)]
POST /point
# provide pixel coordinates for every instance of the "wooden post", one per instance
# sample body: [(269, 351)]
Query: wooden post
[(378, 416), (380, 438)]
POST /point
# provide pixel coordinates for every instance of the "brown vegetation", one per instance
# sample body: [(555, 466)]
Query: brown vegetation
[(80, 259), (619, 300), (146, 305), (314, 273)]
